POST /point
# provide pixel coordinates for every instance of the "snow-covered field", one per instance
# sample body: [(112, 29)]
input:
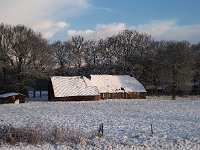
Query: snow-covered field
[(127, 123)]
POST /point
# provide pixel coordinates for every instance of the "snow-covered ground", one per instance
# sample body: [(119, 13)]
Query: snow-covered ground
[(127, 123)]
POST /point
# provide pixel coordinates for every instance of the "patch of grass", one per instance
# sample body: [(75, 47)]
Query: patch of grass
[(38, 135)]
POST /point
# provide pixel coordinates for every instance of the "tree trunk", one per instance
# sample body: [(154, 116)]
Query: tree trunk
[(174, 83), (40, 85), (155, 86), (173, 87), (34, 87), (21, 77), (4, 76), (174, 91)]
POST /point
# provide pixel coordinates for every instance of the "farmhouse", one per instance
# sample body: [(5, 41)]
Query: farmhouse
[(80, 88), (118, 87), (71, 89), (12, 98)]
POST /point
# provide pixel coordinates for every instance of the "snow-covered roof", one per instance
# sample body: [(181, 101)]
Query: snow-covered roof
[(72, 86), (115, 83), (9, 94)]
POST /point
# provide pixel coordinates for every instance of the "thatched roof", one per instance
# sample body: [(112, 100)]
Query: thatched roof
[(115, 83), (72, 86)]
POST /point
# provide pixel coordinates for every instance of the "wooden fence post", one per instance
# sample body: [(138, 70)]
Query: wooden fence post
[(151, 129), (100, 131)]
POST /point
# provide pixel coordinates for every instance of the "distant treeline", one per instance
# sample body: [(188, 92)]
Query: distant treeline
[(166, 66)]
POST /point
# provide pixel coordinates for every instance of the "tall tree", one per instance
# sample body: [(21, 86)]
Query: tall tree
[(23, 50), (77, 48), (61, 53), (178, 61), (92, 55), (196, 68)]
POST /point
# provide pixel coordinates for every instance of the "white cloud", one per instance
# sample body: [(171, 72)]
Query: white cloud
[(62, 24), (160, 30), (170, 30), (101, 31), (156, 28), (33, 12), (49, 28)]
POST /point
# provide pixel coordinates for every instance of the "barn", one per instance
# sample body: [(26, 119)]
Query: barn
[(12, 98), (118, 86), (71, 89), (95, 87)]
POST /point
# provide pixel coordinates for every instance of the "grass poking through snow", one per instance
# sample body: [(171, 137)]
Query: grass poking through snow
[(38, 135)]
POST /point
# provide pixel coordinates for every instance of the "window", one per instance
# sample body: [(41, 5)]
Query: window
[(102, 96)]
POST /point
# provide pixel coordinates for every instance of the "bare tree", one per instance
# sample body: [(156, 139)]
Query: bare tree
[(62, 54), (196, 68), (92, 56), (22, 50), (77, 47), (178, 61)]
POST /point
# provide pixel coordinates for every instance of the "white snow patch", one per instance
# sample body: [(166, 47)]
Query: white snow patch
[(116, 83), (176, 124)]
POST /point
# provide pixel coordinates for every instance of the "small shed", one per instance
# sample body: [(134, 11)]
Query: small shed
[(118, 86), (12, 98), (71, 89)]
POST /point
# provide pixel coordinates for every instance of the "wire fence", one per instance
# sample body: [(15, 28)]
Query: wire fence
[(64, 136)]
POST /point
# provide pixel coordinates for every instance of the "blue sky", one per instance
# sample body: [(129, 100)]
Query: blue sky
[(94, 19)]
